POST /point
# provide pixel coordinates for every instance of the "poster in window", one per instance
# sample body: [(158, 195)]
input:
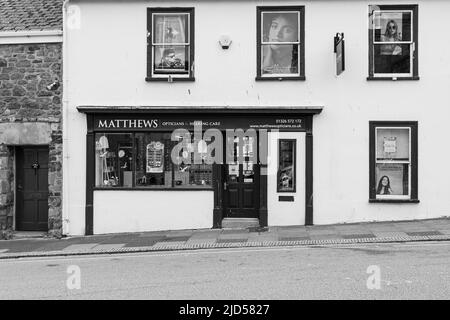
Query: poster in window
[(286, 166), (248, 146), (171, 59), (280, 38), (392, 27), (390, 144), (155, 157), (392, 179)]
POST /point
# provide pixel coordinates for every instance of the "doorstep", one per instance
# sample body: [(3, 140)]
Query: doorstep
[(28, 234)]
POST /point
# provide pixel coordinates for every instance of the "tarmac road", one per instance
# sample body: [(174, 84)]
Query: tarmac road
[(406, 271)]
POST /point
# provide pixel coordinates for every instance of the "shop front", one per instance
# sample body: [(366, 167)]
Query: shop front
[(187, 168)]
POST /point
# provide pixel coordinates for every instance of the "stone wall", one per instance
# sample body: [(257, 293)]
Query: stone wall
[(30, 114), (6, 187), (25, 72)]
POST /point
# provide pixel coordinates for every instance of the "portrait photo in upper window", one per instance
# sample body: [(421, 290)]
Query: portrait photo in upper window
[(393, 41), (279, 42), (170, 43), (173, 59)]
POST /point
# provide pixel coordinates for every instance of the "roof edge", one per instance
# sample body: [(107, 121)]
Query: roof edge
[(31, 36), (202, 109)]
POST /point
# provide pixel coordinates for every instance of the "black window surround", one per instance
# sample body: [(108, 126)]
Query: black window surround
[(414, 47), (300, 74), (186, 74), (412, 127)]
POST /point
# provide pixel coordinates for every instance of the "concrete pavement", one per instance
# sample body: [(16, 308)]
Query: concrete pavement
[(381, 232)]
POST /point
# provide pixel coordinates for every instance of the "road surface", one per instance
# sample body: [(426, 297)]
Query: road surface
[(370, 271)]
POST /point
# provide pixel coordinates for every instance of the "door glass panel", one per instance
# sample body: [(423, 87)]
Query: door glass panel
[(248, 172)]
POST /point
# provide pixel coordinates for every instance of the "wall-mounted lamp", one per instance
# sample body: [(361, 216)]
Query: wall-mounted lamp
[(54, 85), (225, 41)]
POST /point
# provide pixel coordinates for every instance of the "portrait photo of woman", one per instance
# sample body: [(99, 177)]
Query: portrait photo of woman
[(280, 42), (384, 186), (391, 34)]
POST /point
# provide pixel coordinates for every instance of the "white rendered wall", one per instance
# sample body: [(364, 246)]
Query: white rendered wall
[(106, 65), (282, 213), (137, 211)]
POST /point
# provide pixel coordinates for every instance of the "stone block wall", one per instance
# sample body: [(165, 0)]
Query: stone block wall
[(6, 187), (25, 73), (30, 114)]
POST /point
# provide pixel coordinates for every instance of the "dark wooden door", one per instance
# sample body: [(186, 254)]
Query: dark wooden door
[(241, 187), (32, 189)]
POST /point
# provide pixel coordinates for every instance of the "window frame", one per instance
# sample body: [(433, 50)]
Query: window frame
[(412, 196), (151, 76), (301, 42), (294, 165), (414, 48)]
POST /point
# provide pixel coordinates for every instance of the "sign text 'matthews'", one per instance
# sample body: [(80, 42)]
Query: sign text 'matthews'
[(127, 123)]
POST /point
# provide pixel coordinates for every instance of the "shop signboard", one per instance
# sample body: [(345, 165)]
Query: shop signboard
[(171, 122)]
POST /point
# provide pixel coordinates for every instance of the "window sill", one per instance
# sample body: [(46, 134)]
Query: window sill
[(370, 78), (153, 189), (301, 78), (394, 200), (174, 79)]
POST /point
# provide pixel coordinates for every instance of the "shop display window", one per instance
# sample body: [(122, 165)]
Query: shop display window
[(146, 160), (286, 165), (394, 161), (113, 160), (393, 41), (170, 44), (191, 168), (280, 43)]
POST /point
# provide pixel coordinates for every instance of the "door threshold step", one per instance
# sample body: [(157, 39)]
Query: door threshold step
[(240, 223), (28, 234)]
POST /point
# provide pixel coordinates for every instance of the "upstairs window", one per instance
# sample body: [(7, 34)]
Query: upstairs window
[(280, 43), (170, 44), (393, 161), (393, 44)]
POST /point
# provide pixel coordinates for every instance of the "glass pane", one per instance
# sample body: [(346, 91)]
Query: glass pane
[(174, 59), (280, 27), (170, 28), (392, 26), (279, 59), (153, 164), (392, 58), (392, 179), (193, 171), (113, 160), (286, 166), (393, 144)]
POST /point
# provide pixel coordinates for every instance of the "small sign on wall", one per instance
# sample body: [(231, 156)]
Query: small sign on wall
[(339, 50)]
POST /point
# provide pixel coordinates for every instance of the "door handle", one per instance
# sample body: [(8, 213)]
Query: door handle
[(225, 186)]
